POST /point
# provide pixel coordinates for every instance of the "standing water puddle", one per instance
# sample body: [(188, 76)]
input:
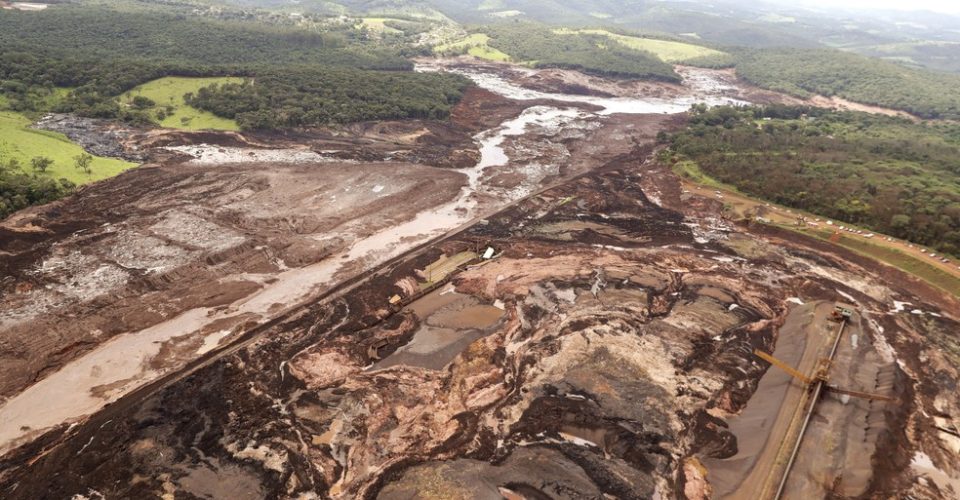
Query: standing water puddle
[(450, 322)]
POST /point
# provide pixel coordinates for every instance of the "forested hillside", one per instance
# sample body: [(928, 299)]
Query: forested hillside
[(858, 78), (317, 97), (884, 173), (82, 58), (591, 53), (100, 53)]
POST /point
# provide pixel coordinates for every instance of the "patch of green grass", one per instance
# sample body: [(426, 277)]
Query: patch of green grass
[(169, 91), (474, 45), (665, 50), (690, 170), (896, 258), (3, 102), (488, 53), (378, 24), (19, 141)]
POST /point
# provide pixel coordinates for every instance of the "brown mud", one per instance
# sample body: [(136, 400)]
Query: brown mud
[(617, 360), (606, 349)]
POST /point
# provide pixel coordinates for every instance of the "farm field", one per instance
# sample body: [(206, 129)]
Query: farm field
[(169, 91), (18, 141)]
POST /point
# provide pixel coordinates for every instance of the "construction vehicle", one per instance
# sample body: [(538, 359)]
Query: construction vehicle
[(841, 313)]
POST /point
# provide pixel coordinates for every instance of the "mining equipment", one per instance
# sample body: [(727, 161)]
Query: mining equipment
[(816, 384)]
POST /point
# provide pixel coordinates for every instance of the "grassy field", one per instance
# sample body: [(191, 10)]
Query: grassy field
[(690, 170), (20, 142), (169, 91), (667, 51), (377, 24), (476, 45)]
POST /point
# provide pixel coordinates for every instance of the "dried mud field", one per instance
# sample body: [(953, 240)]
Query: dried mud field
[(518, 303)]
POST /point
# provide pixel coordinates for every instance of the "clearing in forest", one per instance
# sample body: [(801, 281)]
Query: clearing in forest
[(19, 141), (170, 109), (476, 45), (665, 50), (378, 24)]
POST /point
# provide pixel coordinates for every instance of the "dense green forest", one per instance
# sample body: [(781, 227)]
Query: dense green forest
[(884, 173), (594, 54), (310, 96), (94, 33), (100, 53), (19, 189), (858, 78)]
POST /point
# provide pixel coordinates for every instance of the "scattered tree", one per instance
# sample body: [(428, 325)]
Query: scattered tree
[(83, 162), (142, 102), (41, 163)]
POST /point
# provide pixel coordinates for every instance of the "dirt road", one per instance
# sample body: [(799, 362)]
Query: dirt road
[(743, 205)]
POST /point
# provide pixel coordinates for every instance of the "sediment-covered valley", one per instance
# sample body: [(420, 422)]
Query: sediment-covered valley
[(518, 303)]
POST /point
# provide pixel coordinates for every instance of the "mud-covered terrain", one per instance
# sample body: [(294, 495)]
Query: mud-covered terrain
[(605, 349), (219, 232), (519, 303)]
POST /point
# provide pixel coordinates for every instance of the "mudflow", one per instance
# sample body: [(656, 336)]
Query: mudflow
[(309, 315)]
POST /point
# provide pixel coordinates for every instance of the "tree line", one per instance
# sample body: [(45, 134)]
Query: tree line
[(803, 72), (594, 54), (19, 189), (100, 53), (884, 173), (310, 97)]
